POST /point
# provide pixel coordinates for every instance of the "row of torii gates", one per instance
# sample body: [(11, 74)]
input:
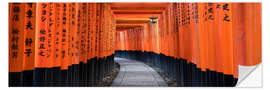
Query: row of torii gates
[(74, 44)]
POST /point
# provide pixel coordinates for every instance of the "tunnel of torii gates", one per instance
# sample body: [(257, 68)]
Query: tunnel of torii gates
[(74, 44)]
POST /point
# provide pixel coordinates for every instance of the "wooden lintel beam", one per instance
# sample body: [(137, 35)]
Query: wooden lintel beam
[(132, 21), (131, 12), (145, 5), (135, 16), (138, 8)]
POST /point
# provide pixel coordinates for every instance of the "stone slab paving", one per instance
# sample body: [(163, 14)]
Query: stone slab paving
[(136, 74)]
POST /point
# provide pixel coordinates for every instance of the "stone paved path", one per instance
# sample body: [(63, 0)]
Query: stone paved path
[(136, 74)]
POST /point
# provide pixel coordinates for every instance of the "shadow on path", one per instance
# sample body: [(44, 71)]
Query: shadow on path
[(136, 74)]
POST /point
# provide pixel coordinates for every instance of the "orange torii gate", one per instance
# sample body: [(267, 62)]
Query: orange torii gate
[(73, 44), (60, 44), (199, 44)]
